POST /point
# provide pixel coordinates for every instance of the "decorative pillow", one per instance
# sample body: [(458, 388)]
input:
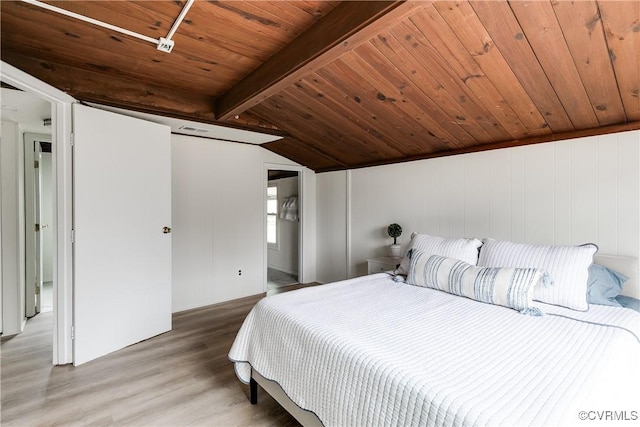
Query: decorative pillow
[(568, 267), (629, 302), (458, 248), (604, 285), (508, 287)]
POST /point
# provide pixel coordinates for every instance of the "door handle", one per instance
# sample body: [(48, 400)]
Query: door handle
[(166, 230)]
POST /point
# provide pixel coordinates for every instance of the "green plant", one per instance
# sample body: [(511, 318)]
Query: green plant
[(394, 230)]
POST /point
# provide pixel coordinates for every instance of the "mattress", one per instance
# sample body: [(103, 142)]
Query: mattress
[(371, 351)]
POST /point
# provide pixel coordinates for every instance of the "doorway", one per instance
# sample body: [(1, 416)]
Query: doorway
[(59, 108), (283, 228), (29, 182), (39, 223)]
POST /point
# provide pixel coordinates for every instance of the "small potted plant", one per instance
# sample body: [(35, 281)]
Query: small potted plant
[(394, 230)]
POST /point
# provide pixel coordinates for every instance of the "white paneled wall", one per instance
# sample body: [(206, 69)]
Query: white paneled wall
[(12, 249), (567, 192), (218, 196), (331, 191)]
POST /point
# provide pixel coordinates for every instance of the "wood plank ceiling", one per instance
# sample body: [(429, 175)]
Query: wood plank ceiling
[(356, 83)]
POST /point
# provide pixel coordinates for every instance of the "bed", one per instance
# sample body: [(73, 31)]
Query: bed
[(377, 351)]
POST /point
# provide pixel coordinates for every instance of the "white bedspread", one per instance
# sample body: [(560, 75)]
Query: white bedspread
[(370, 351)]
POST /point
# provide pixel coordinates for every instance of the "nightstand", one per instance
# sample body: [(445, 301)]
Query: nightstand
[(382, 264)]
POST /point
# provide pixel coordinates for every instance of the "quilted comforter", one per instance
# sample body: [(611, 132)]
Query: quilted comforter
[(370, 351)]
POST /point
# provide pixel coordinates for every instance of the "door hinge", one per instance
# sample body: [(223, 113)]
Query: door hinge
[(37, 290), (73, 332), (73, 236), (36, 164), (72, 139), (37, 227)]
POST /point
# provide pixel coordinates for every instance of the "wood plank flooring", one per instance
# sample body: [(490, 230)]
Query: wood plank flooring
[(179, 378)]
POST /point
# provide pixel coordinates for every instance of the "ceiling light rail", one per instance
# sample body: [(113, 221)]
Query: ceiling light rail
[(164, 44)]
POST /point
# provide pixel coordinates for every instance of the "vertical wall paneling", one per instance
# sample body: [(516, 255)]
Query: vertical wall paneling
[(347, 183), (457, 200), (374, 194), (1, 274), (607, 193), (500, 205), (193, 218), (584, 190), (444, 195), (477, 195), (12, 223), (538, 194), (628, 185), (331, 193), (517, 193), (309, 217), (563, 193), (218, 223), (430, 205)]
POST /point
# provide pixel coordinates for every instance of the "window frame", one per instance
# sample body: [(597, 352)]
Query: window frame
[(276, 245)]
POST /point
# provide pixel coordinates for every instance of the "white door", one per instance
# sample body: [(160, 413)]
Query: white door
[(39, 226), (33, 224), (47, 224), (122, 255)]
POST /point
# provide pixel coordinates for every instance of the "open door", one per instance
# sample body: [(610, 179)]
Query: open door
[(45, 242), (33, 223), (122, 245), (38, 227)]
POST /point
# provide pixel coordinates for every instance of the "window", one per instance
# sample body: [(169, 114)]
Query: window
[(272, 215)]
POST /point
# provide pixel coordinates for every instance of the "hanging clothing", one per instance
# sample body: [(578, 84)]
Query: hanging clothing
[(289, 209)]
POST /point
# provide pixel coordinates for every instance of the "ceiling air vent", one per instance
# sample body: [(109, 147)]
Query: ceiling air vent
[(192, 129)]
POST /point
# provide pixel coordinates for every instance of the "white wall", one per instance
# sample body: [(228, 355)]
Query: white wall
[(1, 257), (12, 223), (218, 192), (285, 257), (308, 212), (332, 225), (568, 192)]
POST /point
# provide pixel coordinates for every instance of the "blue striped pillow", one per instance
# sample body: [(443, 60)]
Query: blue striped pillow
[(507, 287)]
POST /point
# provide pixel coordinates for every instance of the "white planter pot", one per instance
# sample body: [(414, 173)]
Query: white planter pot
[(394, 251)]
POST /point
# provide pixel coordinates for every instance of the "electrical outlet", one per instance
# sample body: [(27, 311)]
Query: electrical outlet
[(239, 272), (165, 45)]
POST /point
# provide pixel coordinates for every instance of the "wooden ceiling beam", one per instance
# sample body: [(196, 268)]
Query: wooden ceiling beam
[(133, 94), (344, 28)]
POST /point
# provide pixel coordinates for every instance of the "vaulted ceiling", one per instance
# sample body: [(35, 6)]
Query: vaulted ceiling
[(350, 84)]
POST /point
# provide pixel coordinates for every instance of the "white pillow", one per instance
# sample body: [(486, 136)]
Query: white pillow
[(568, 267), (459, 248), (504, 286)]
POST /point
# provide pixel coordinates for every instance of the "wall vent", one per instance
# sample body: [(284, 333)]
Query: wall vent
[(192, 129)]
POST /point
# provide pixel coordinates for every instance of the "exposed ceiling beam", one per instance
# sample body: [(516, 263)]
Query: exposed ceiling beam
[(111, 90), (344, 28)]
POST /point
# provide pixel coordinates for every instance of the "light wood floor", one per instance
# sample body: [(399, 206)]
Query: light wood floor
[(179, 378)]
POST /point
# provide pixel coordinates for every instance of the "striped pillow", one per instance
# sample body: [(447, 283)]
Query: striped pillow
[(460, 248), (568, 267), (508, 287)]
